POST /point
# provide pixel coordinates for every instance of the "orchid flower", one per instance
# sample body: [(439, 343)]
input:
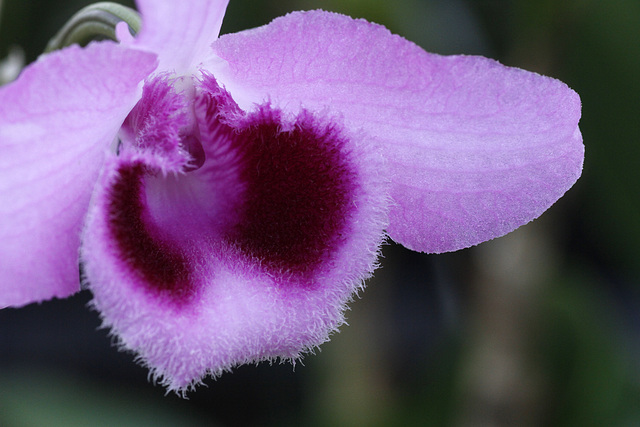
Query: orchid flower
[(224, 198)]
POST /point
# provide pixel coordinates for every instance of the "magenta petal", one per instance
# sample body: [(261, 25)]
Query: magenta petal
[(251, 256), (56, 122), (180, 33), (475, 149)]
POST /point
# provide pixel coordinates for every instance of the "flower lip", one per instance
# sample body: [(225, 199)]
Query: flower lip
[(218, 281), (271, 191)]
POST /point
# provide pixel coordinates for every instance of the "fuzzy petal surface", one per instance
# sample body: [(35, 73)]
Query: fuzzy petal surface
[(475, 149), (180, 33), (253, 255), (56, 122)]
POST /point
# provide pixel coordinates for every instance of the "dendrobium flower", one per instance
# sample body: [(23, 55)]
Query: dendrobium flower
[(226, 196)]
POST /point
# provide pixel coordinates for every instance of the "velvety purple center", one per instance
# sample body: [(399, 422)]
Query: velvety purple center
[(298, 188), (160, 265)]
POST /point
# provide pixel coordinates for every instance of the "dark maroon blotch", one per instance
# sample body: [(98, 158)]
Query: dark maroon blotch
[(162, 268), (299, 185)]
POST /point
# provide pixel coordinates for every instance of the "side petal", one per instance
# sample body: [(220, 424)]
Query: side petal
[(251, 257), (180, 33), (56, 122), (476, 149)]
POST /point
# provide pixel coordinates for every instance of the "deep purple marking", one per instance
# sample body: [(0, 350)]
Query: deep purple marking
[(163, 269), (299, 185)]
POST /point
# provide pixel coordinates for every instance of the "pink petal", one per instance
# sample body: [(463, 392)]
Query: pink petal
[(180, 33), (56, 122), (475, 149), (250, 257)]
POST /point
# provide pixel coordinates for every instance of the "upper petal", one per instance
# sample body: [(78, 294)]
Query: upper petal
[(56, 122), (475, 148), (180, 33)]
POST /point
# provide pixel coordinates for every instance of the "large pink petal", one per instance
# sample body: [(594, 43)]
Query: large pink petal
[(180, 33), (56, 122), (475, 148)]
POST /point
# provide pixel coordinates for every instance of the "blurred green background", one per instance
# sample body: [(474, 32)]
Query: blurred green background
[(539, 328)]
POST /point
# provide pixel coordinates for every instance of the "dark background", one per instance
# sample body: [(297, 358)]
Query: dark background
[(539, 328)]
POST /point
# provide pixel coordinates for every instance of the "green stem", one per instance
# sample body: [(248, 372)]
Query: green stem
[(94, 22)]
